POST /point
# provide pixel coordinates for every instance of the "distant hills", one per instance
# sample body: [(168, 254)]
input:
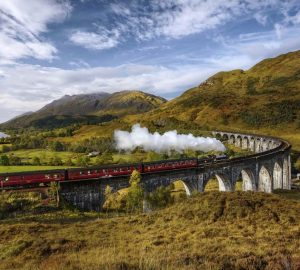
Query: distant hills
[(86, 109), (265, 97)]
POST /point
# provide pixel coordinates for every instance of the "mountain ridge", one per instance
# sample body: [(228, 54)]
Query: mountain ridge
[(265, 96), (84, 108)]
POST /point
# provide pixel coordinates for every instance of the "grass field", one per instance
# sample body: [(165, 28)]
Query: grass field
[(44, 154), (12, 169), (1, 146), (212, 230)]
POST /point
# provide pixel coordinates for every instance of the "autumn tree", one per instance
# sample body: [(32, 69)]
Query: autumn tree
[(54, 190), (134, 201)]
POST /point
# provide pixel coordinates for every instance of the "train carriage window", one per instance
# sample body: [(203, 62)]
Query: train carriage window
[(47, 176), (55, 176)]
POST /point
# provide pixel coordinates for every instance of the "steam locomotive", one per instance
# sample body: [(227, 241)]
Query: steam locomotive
[(25, 179)]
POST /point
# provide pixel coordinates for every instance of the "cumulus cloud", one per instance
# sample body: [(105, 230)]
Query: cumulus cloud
[(22, 23), (105, 39), (171, 140)]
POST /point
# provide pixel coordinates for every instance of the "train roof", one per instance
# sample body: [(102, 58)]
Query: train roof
[(103, 167), (129, 164), (168, 160)]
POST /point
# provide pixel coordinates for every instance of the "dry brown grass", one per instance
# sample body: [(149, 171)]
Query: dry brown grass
[(213, 230)]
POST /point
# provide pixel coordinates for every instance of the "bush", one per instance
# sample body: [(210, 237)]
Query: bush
[(134, 200), (161, 197), (36, 161), (4, 160), (55, 161)]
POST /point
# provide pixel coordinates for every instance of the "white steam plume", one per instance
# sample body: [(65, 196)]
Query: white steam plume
[(171, 140)]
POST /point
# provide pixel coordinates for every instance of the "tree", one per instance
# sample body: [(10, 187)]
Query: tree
[(4, 160), (109, 197), (15, 161), (36, 161), (134, 200), (54, 189), (160, 197), (5, 149), (57, 146)]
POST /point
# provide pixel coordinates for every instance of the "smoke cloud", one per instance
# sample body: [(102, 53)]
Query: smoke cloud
[(171, 140)]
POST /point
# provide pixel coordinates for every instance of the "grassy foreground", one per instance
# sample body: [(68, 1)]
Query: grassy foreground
[(213, 230)]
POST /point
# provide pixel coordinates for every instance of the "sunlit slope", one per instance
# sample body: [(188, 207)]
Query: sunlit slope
[(265, 97)]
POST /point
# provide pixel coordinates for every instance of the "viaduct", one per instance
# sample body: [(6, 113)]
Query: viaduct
[(268, 168)]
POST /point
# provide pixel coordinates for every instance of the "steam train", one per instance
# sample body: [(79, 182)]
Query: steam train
[(28, 179)]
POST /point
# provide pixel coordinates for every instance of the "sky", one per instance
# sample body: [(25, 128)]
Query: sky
[(52, 48)]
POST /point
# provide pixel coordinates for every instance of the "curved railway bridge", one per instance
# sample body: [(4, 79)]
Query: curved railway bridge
[(268, 168)]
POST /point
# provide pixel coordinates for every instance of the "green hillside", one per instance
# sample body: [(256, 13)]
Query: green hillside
[(266, 96), (213, 230), (86, 109)]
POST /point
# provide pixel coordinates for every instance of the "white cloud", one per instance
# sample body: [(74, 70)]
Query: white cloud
[(22, 23), (180, 18), (258, 46), (105, 39), (261, 18)]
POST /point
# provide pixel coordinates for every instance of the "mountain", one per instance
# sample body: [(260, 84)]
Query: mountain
[(267, 96), (86, 109)]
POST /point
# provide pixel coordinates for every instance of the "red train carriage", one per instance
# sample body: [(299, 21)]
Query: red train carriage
[(31, 178), (35, 178), (170, 165), (101, 172)]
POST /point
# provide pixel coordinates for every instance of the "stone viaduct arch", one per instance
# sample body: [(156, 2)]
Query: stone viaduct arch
[(265, 170)]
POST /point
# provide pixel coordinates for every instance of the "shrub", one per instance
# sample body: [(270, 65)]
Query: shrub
[(160, 197), (134, 200)]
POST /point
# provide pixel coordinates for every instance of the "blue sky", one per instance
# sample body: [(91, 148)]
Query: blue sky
[(50, 48)]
